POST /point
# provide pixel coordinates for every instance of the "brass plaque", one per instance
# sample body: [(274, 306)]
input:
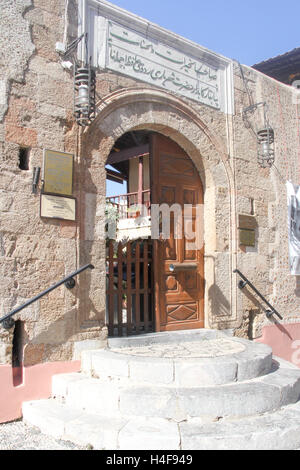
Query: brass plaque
[(247, 237), (247, 221), (58, 207), (58, 172)]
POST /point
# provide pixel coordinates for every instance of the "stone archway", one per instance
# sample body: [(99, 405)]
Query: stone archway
[(155, 110)]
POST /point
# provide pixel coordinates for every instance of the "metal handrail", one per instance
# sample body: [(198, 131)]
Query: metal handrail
[(69, 282), (246, 282)]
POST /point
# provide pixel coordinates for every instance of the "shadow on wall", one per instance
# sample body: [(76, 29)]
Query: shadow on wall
[(257, 303), (219, 305), (50, 337)]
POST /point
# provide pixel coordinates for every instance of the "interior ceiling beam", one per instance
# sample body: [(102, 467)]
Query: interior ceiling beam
[(127, 154), (115, 176)]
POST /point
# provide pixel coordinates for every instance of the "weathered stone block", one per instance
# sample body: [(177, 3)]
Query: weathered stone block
[(145, 434), (5, 353), (33, 354), (21, 135)]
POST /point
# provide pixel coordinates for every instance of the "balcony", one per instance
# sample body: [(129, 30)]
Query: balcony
[(132, 214), (131, 205)]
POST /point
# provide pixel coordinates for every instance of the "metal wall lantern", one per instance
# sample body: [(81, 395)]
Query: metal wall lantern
[(84, 94), (84, 83), (264, 137), (265, 151)]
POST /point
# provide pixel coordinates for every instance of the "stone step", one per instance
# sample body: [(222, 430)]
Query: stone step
[(62, 422), (124, 398), (206, 362), (276, 431), (103, 433), (272, 431)]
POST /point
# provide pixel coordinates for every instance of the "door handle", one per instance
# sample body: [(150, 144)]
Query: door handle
[(182, 267)]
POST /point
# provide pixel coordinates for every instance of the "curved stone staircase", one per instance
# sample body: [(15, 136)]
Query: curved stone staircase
[(184, 390)]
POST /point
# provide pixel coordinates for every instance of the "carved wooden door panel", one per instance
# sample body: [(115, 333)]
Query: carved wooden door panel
[(178, 266)]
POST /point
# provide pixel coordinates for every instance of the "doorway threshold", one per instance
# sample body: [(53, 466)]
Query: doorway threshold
[(166, 337)]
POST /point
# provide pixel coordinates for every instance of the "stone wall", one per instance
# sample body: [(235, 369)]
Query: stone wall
[(36, 113), (267, 264), (34, 253)]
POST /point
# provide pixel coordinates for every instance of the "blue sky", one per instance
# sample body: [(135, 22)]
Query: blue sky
[(249, 31), (246, 30)]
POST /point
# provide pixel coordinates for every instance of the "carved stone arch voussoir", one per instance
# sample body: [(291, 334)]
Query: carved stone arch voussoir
[(144, 108)]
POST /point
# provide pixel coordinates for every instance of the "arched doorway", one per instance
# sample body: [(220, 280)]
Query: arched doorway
[(151, 110), (155, 274)]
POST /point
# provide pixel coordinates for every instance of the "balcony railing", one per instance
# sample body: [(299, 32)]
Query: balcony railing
[(128, 205)]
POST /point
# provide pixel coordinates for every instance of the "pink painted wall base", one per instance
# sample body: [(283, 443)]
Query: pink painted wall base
[(26, 384), (284, 340)]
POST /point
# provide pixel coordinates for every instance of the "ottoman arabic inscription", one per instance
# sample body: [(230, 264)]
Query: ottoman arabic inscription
[(146, 59)]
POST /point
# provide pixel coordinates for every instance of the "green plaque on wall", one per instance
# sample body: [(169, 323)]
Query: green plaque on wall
[(247, 237), (58, 172)]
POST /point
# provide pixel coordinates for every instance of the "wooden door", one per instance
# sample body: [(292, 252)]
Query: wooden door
[(179, 293)]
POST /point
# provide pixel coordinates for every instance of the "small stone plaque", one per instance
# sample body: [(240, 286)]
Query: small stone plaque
[(247, 237), (58, 207)]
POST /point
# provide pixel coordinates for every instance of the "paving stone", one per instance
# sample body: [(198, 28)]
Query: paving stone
[(190, 373), (288, 382), (94, 396), (163, 337), (151, 402), (149, 434), (61, 382), (242, 399), (93, 431), (66, 423), (157, 370), (109, 364), (50, 418)]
